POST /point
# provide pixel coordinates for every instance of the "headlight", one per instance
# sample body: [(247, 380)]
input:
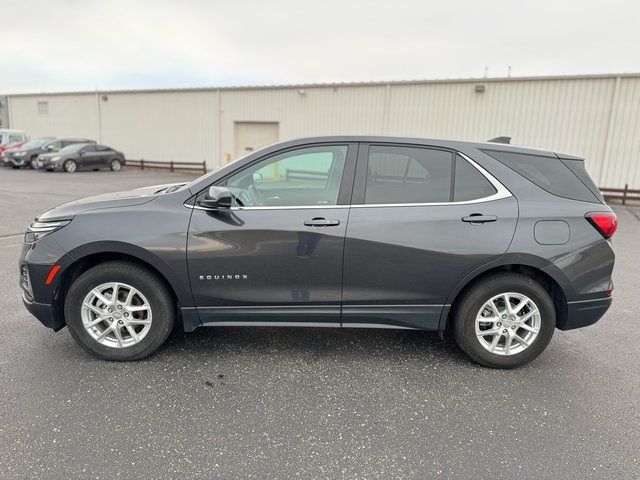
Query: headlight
[(37, 230), (19, 154), (55, 159)]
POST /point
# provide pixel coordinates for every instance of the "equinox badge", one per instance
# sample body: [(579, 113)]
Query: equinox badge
[(232, 276)]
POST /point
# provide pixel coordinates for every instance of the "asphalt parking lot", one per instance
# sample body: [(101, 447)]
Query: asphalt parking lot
[(308, 403)]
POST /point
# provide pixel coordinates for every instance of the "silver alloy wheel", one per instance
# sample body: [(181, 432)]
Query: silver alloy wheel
[(70, 166), (116, 165), (116, 315), (508, 324)]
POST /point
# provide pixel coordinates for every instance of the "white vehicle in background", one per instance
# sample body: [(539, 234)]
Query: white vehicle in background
[(8, 136)]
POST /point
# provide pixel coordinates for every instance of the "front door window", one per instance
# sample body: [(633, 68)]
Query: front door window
[(304, 177)]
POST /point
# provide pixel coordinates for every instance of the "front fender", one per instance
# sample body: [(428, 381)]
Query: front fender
[(166, 267)]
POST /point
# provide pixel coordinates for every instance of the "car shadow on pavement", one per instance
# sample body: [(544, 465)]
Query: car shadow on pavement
[(314, 344)]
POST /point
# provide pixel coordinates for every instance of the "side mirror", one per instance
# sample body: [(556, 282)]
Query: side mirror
[(216, 197)]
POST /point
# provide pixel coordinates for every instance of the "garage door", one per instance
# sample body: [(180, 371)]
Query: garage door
[(250, 136)]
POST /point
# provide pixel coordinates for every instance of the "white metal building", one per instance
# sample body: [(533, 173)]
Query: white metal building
[(595, 116)]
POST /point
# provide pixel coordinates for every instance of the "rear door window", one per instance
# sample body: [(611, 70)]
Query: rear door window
[(548, 173), (403, 174)]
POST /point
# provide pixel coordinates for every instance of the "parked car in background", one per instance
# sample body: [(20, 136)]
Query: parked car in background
[(8, 136), (27, 155), (83, 156), (7, 150)]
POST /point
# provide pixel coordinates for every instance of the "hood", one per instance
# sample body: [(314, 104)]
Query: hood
[(106, 200)]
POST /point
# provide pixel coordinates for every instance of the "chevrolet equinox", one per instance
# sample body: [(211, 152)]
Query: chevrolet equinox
[(492, 245)]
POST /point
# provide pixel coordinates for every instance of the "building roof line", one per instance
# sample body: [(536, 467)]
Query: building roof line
[(597, 76)]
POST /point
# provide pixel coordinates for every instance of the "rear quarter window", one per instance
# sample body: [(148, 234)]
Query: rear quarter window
[(548, 173)]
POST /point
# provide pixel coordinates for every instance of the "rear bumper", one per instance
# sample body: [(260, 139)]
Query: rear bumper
[(584, 313)]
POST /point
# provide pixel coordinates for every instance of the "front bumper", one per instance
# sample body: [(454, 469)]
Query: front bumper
[(44, 312), (50, 165), (584, 313), (18, 161), (42, 300)]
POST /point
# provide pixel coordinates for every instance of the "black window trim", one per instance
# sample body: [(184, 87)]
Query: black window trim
[(361, 179)]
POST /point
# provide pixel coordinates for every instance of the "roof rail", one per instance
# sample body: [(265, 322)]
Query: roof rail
[(506, 140)]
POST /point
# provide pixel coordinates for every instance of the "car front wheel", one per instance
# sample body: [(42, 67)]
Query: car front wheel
[(119, 311), (504, 321)]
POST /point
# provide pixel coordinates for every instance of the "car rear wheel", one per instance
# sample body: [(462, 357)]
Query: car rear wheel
[(116, 165), (504, 321), (70, 166), (119, 311)]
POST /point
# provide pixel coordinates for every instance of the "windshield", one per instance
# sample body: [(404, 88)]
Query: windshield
[(38, 142), (72, 148)]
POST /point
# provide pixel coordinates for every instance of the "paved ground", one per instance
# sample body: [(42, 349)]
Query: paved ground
[(309, 403)]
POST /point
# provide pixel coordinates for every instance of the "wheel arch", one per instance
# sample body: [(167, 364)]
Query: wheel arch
[(80, 260), (548, 276)]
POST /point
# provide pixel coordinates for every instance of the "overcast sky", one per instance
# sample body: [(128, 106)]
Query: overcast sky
[(54, 45)]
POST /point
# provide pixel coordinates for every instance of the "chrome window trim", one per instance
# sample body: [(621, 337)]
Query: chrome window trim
[(501, 192)]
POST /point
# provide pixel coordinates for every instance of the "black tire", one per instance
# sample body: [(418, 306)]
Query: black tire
[(70, 166), (466, 309), (115, 165), (33, 163), (148, 283)]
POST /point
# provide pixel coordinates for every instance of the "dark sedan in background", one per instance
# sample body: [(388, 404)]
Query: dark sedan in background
[(83, 156), (27, 155)]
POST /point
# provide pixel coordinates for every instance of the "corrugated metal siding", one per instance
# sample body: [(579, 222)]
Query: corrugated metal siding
[(162, 126), (68, 115), (595, 117)]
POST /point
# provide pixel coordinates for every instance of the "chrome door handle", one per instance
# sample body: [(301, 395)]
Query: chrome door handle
[(321, 222), (479, 218)]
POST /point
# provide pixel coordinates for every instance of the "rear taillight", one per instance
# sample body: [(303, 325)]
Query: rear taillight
[(605, 222)]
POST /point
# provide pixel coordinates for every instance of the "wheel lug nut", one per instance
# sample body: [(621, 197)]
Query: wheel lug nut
[(110, 310), (119, 307), (499, 324), (504, 316), (513, 327), (111, 319), (504, 331), (126, 314), (120, 322)]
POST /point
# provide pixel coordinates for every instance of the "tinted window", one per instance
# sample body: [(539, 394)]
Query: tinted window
[(577, 167), (408, 175), (304, 177), (469, 183), (548, 173), (89, 148)]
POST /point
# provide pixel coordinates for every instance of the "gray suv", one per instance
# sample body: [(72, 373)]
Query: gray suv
[(493, 245)]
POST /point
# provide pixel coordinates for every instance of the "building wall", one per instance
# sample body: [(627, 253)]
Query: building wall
[(597, 117)]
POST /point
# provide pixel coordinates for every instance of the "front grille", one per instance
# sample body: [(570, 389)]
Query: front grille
[(25, 283)]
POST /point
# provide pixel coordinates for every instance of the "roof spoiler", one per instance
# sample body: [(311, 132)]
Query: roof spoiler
[(506, 140)]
